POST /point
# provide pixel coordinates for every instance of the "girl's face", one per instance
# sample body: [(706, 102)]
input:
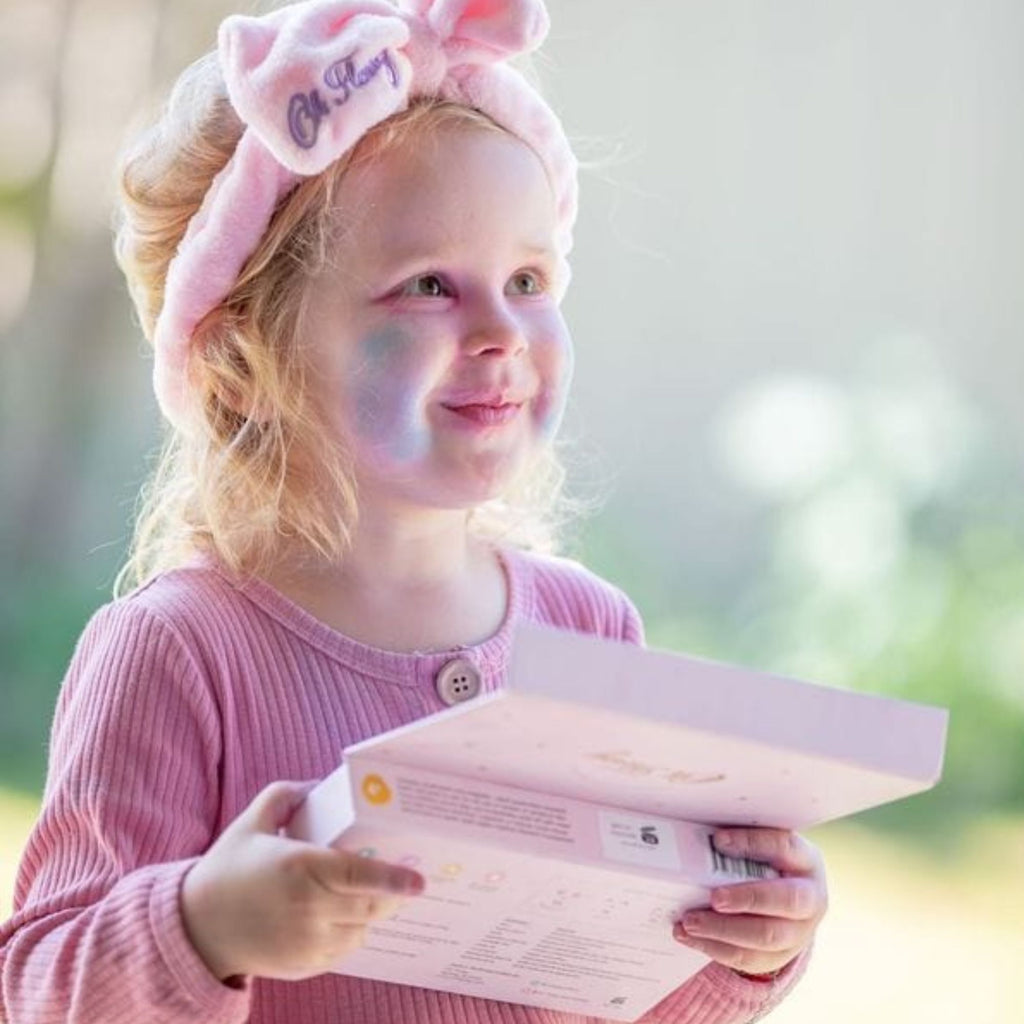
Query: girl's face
[(439, 352)]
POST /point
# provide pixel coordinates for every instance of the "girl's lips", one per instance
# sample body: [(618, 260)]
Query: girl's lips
[(485, 414)]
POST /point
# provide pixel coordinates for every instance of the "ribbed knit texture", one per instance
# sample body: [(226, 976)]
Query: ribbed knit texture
[(182, 701)]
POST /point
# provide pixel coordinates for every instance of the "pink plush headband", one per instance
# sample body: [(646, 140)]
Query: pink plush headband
[(309, 80)]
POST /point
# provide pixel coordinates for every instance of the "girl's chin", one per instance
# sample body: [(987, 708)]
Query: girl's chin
[(457, 490)]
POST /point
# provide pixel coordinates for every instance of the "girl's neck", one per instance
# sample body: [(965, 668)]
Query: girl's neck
[(417, 585)]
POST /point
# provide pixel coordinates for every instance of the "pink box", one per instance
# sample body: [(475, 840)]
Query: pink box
[(563, 823)]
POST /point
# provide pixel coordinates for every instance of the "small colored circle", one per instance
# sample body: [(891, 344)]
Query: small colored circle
[(376, 790), (451, 869), (494, 877), (367, 851)]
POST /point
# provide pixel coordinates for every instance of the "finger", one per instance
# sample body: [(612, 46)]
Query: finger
[(358, 908), (342, 873), (798, 899), (749, 961), (747, 931), (273, 807), (784, 850)]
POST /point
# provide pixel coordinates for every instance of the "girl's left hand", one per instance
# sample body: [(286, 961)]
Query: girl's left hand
[(759, 927)]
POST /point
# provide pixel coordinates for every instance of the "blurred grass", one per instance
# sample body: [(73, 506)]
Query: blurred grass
[(914, 933), (17, 813), (918, 933)]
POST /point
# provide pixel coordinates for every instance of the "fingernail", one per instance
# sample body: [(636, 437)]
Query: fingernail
[(680, 935), (691, 922), (409, 883), (725, 840)]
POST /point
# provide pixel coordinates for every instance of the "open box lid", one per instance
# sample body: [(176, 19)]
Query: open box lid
[(676, 736)]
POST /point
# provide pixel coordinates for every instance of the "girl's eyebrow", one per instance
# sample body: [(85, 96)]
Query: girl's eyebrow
[(416, 255), (540, 251)]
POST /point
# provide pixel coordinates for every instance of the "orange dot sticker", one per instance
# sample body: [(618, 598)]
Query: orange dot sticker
[(376, 790)]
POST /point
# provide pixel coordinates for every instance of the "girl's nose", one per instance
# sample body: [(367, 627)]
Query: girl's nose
[(492, 331)]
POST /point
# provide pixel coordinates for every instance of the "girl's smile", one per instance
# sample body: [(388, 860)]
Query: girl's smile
[(481, 415)]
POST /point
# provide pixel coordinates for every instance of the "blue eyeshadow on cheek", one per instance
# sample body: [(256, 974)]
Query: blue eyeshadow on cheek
[(551, 408), (384, 398)]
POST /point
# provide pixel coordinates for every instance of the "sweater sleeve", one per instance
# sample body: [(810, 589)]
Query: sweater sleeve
[(718, 995), (632, 623), (131, 800)]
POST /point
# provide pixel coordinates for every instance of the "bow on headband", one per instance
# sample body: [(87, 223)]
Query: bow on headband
[(309, 80)]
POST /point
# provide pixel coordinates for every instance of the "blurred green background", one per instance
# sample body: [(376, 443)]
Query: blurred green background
[(798, 313)]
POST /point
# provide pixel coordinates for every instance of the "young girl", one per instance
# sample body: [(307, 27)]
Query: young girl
[(347, 240)]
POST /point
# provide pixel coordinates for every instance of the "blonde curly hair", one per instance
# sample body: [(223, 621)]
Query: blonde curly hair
[(251, 473)]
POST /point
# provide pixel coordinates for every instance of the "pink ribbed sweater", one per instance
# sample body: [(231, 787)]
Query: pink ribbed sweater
[(182, 701)]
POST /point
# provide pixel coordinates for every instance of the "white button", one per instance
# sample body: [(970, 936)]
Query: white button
[(459, 680)]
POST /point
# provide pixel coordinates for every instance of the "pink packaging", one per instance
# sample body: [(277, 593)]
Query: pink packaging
[(563, 823)]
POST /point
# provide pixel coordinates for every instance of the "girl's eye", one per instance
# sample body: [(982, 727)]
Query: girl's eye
[(426, 286), (526, 282)]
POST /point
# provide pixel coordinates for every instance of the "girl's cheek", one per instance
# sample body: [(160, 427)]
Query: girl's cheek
[(392, 425), (384, 394), (557, 377)]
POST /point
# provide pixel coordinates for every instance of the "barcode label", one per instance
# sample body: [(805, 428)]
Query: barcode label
[(738, 867)]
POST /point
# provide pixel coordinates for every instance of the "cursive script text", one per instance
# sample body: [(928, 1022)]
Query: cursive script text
[(307, 110), (621, 762)]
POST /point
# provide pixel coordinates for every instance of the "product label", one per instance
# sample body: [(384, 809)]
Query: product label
[(639, 839)]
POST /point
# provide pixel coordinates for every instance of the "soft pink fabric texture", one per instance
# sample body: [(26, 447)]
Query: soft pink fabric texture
[(182, 702), (309, 80)]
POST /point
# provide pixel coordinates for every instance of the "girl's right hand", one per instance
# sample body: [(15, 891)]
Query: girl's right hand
[(262, 904)]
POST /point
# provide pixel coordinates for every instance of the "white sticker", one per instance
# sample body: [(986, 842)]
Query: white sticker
[(636, 839)]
